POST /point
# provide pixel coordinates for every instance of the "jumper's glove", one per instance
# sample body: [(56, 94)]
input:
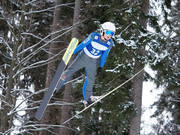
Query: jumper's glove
[(99, 70)]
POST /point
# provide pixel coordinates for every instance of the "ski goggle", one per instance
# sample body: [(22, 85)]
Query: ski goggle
[(108, 32)]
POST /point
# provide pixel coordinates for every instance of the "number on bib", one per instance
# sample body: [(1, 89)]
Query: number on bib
[(94, 51)]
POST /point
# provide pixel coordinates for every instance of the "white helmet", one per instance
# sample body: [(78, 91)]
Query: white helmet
[(107, 26)]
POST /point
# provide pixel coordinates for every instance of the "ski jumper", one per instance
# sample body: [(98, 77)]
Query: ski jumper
[(92, 49)]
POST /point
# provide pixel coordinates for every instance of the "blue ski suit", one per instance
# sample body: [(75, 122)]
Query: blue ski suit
[(91, 50)]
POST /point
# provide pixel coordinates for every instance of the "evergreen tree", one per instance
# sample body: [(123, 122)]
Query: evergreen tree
[(168, 70)]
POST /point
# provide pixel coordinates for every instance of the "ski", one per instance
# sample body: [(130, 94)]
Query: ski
[(105, 95), (66, 57)]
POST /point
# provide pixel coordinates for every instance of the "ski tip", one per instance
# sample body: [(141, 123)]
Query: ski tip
[(75, 40), (38, 116)]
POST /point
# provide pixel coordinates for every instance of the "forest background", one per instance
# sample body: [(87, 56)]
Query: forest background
[(33, 37)]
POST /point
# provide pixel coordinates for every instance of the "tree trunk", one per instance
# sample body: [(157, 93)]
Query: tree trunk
[(6, 121), (50, 116), (138, 80), (65, 113)]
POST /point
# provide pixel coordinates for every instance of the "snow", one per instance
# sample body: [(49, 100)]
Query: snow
[(129, 10), (150, 95)]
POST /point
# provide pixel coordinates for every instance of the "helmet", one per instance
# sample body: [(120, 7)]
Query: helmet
[(107, 26)]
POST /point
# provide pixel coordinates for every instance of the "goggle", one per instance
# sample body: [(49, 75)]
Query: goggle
[(108, 32)]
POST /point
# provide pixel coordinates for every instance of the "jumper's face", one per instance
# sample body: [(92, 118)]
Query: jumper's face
[(108, 34), (107, 37)]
